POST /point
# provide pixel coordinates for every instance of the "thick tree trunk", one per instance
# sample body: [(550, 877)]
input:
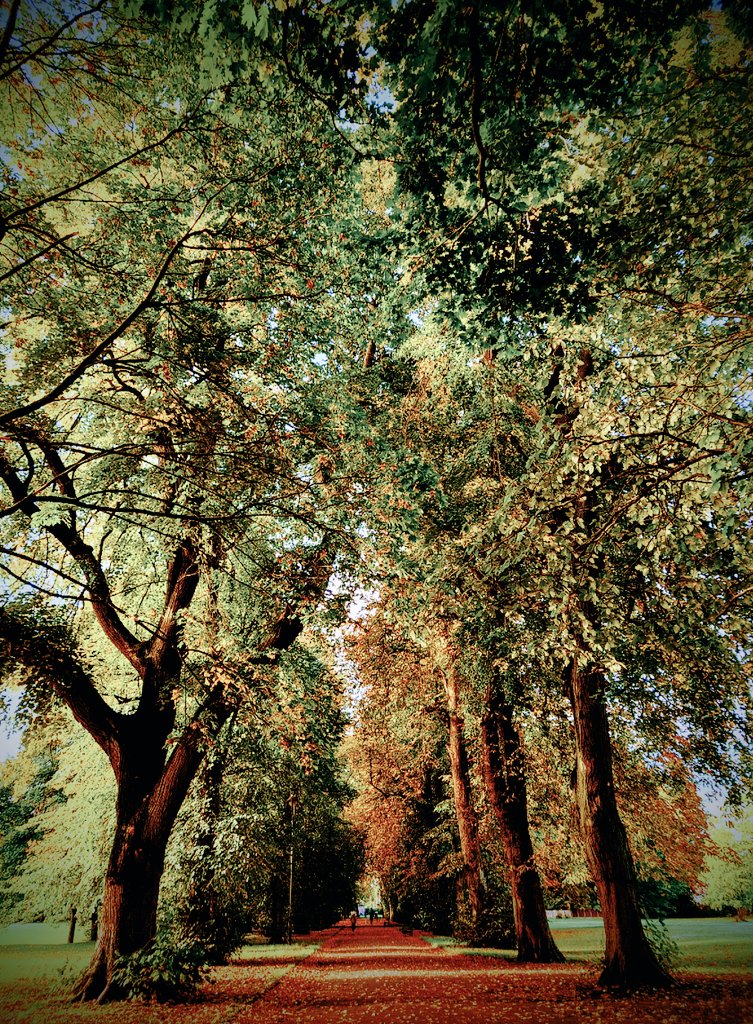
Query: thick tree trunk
[(630, 961), (150, 794), (473, 875), (128, 918), (504, 776)]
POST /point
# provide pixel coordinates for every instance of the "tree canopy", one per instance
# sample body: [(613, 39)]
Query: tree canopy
[(446, 305)]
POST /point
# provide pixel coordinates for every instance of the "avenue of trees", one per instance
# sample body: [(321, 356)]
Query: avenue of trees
[(443, 307)]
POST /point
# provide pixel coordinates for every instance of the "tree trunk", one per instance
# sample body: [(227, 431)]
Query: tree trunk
[(386, 900), (504, 776), (473, 875), (629, 960), (128, 919), (147, 804)]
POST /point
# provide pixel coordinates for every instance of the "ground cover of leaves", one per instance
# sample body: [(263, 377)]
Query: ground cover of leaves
[(378, 974), (36, 992)]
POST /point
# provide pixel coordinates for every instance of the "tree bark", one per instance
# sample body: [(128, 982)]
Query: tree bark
[(473, 875), (503, 768), (629, 960), (128, 918), (148, 802)]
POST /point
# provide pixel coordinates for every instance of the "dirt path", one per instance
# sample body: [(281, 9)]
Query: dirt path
[(380, 976)]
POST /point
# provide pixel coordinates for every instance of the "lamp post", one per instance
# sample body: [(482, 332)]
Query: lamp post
[(292, 804)]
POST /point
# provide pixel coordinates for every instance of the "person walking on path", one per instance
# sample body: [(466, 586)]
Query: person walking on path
[(371, 915), (353, 916)]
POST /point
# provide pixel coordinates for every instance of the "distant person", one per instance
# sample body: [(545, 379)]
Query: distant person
[(372, 915), (353, 916)]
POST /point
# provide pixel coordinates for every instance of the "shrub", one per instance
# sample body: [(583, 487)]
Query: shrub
[(167, 969)]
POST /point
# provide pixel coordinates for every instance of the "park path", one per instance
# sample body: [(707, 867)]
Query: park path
[(377, 975)]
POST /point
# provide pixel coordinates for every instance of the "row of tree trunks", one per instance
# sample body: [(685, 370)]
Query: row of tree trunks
[(629, 960), (503, 768), (504, 777)]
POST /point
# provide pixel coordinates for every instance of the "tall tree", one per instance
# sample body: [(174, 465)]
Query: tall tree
[(449, 433), (172, 447), (504, 769), (514, 128), (728, 877), (265, 824), (399, 756), (447, 659)]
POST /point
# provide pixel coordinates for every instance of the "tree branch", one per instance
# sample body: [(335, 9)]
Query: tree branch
[(102, 347), (37, 255), (182, 580), (83, 554), (44, 645)]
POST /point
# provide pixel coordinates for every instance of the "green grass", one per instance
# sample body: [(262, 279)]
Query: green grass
[(43, 961), (715, 945), (35, 976), (41, 934), (52, 961), (707, 945), (263, 950)]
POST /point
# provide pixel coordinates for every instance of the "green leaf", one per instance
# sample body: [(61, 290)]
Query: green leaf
[(248, 14), (262, 22)]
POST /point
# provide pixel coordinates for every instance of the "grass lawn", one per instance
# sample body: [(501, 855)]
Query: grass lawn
[(707, 945), (34, 977)]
